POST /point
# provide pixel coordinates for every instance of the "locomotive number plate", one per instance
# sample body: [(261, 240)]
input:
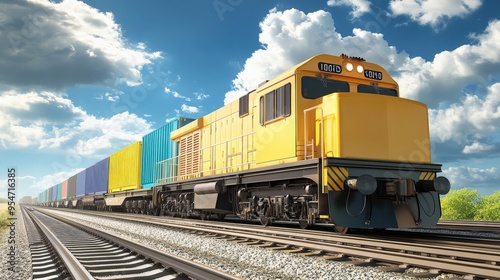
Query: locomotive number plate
[(372, 74), (329, 67)]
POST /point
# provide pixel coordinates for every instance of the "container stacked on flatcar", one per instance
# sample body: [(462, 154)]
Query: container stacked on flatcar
[(132, 192), (76, 201), (53, 201), (157, 147), (59, 196), (118, 181), (71, 191), (96, 184), (124, 175)]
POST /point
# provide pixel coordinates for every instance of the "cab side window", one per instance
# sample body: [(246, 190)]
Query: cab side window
[(243, 105), (275, 104)]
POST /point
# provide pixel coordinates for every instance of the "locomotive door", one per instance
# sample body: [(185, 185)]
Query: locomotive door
[(314, 140), (313, 133)]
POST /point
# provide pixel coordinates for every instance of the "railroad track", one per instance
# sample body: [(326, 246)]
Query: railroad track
[(472, 257), (81, 252), (476, 226)]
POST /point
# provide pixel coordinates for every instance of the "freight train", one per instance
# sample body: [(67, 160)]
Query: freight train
[(330, 140)]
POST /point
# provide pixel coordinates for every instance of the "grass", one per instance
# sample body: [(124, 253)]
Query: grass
[(4, 215)]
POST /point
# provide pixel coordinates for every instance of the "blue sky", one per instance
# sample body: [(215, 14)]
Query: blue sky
[(79, 80)]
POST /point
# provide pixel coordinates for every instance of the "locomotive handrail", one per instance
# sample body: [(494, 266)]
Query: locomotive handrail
[(321, 133), (172, 163)]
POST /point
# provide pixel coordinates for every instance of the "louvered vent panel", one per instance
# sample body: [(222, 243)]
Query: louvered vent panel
[(189, 154)]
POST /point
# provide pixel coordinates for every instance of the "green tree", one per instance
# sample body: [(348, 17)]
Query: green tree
[(490, 208), (460, 204)]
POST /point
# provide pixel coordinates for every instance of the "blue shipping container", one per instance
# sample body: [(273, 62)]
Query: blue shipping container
[(80, 183), (54, 193), (157, 146), (96, 179)]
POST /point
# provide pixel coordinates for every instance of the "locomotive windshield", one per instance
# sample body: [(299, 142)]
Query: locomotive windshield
[(377, 90), (318, 86), (314, 87)]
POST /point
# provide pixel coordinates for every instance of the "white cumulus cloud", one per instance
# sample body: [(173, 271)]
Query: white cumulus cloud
[(473, 177), (53, 45), (432, 12), (189, 109), (469, 123), (291, 36), (359, 7), (45, 120)]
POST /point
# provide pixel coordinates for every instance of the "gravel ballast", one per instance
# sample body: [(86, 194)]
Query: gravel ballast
[(16, 253), (242, 260)]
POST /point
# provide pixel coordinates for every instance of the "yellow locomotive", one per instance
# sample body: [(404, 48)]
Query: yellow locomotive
[(328, 140)]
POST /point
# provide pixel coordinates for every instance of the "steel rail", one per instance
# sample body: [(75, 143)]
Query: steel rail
[(478, 226), (179, 264), (462, 260), (393, 252), (480, 264), (73, 266)]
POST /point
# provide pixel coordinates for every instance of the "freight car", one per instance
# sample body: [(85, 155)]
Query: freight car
[(328, 140)]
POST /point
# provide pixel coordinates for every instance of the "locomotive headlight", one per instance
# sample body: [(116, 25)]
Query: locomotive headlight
[(359, 69), (349, 66), (442, 185)]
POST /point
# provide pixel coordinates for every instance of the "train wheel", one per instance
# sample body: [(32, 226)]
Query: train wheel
[(340, 229), (220, 216), (266, 221), (150, 208), (145, 207), (303, 224), (204, 216)]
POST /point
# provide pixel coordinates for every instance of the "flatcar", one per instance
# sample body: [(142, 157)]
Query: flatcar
[(330, 140)]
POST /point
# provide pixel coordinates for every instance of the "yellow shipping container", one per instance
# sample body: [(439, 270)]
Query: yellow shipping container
[(125, 169)]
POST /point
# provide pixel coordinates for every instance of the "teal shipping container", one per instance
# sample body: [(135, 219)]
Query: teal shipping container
[(42, 197), (59, 192), (157, 146)]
